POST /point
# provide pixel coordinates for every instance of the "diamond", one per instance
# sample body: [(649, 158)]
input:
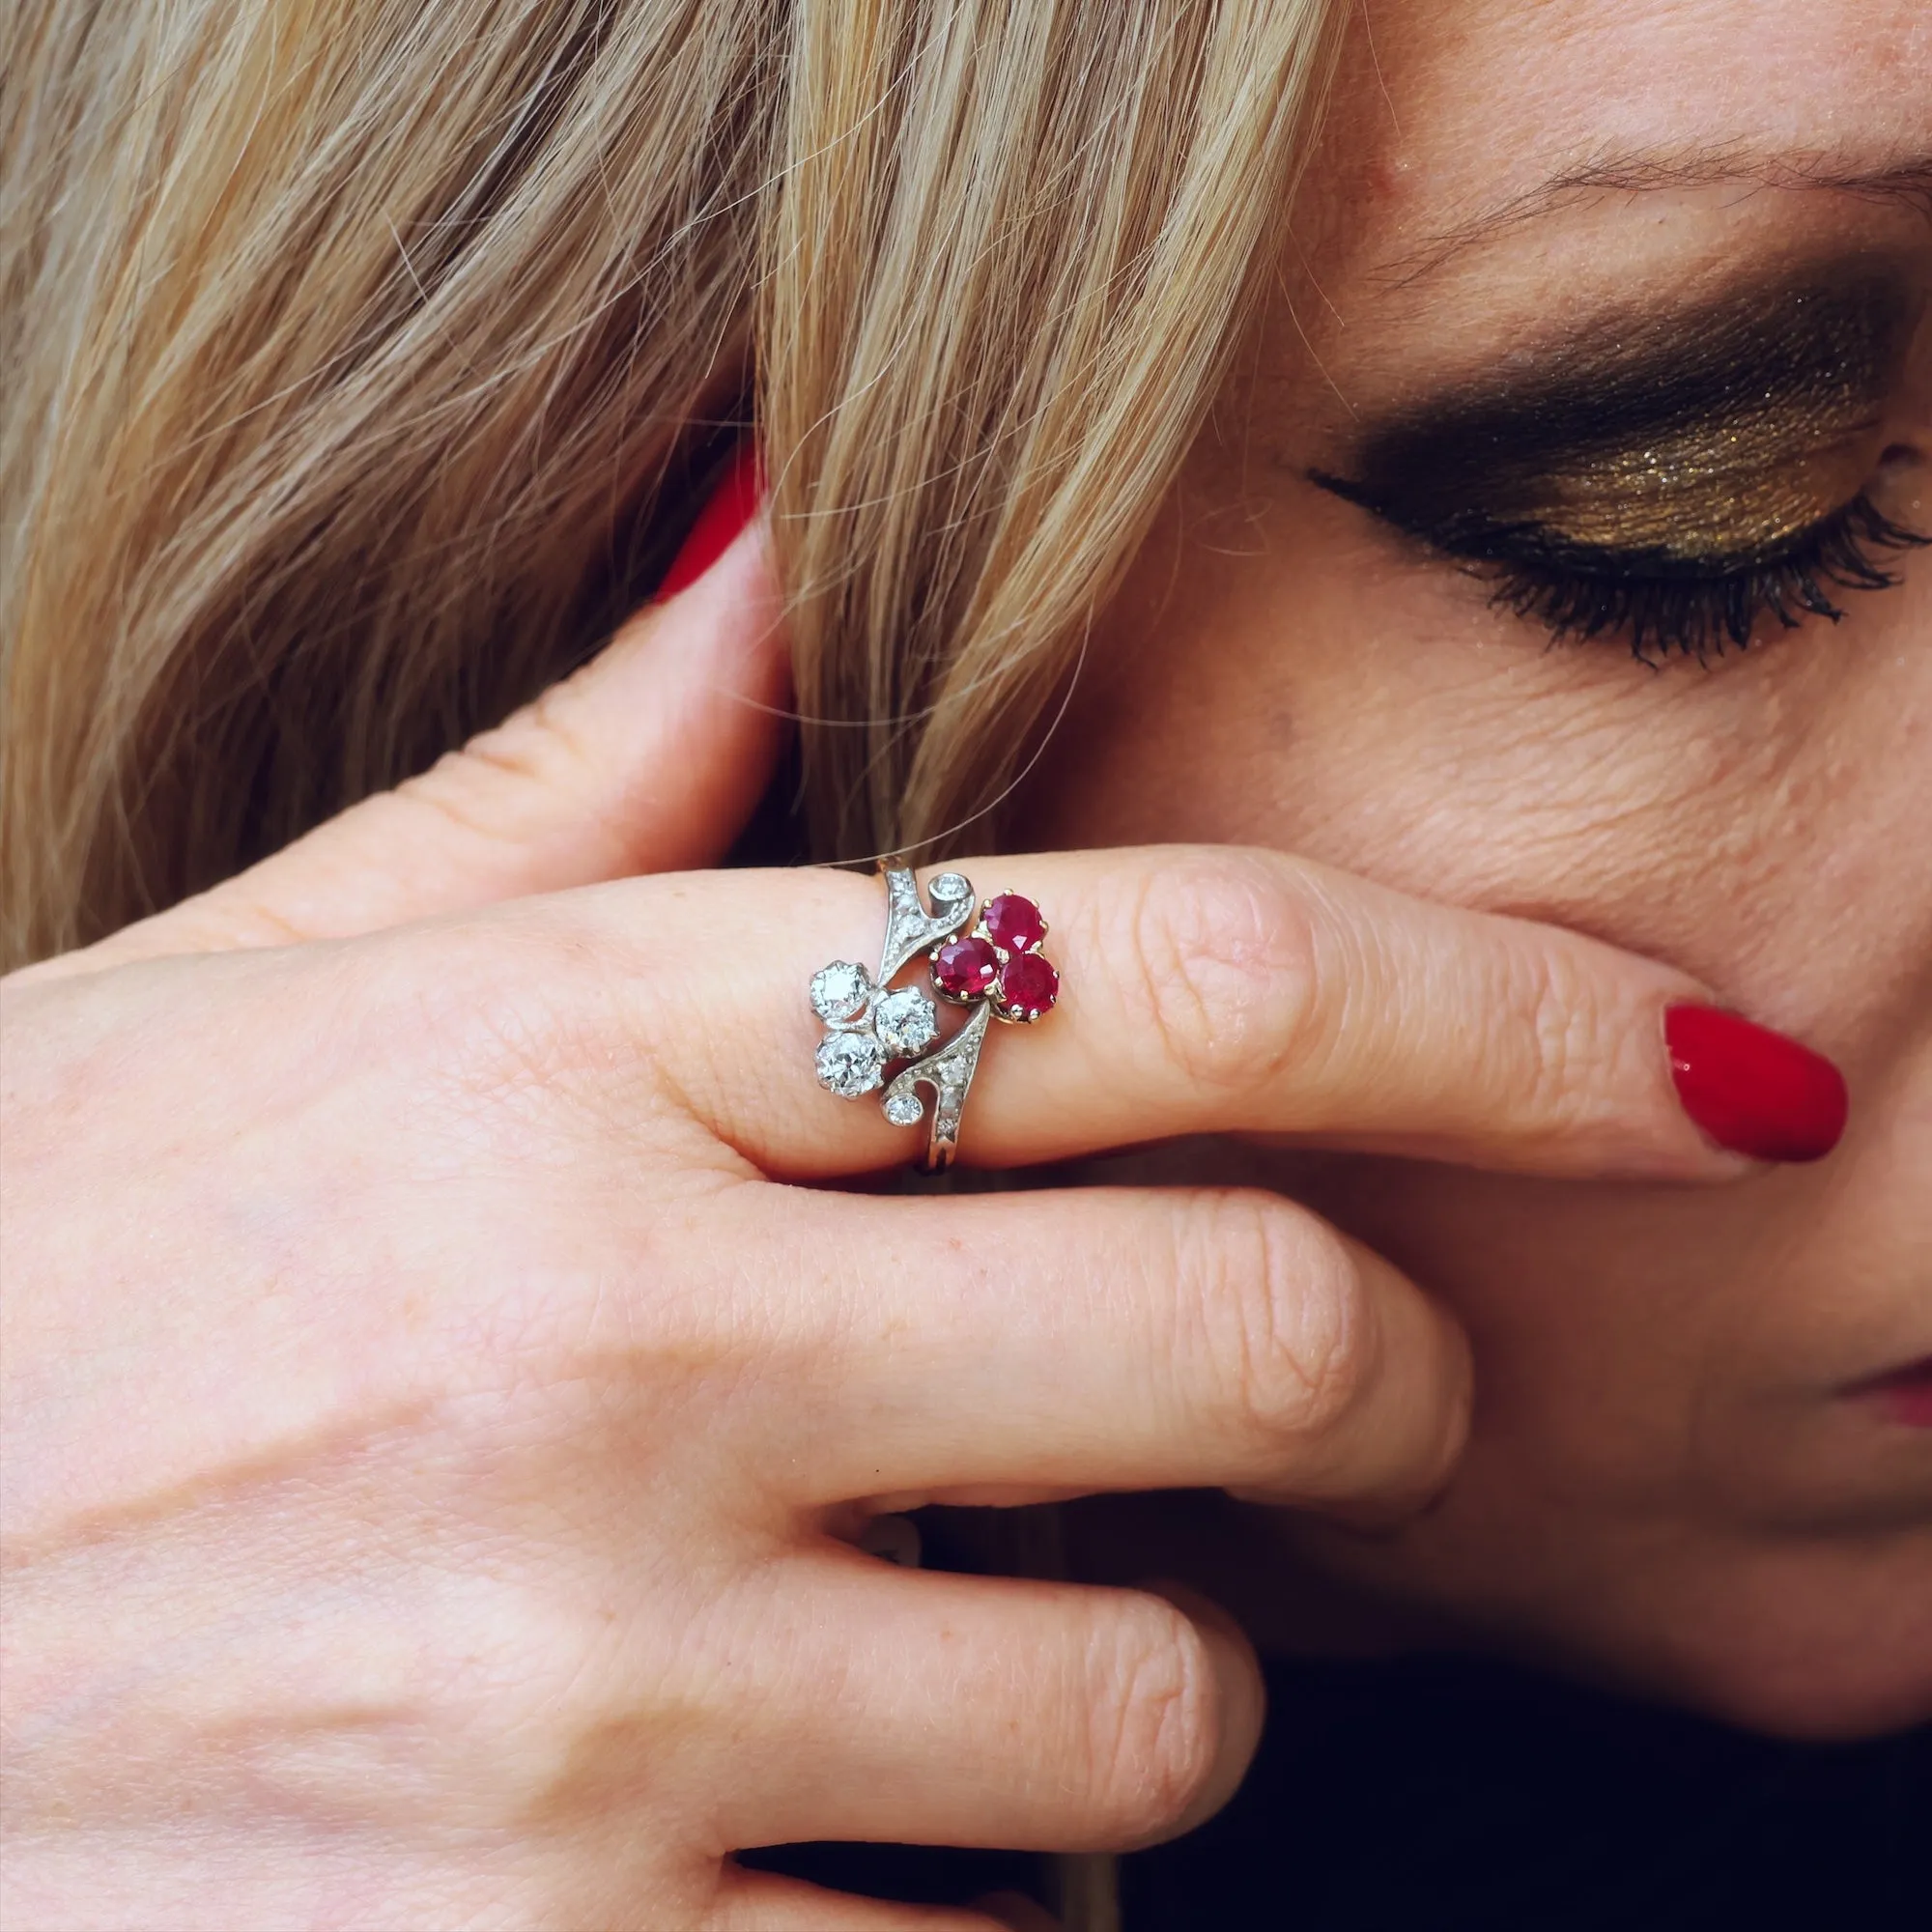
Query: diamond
[(950, 887), (840, 990), (850, 1063), (1028, 987), (905, 1022), (1014, 924), (905, 1109), (965, 969)]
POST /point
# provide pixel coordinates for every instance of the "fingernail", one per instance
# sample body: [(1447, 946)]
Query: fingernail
[(1753, 1090), (733, 504)]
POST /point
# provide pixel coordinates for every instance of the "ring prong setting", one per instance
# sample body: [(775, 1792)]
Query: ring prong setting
[(985, 957)]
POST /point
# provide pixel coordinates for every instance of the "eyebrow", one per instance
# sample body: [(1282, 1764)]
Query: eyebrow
[(1901, 180)]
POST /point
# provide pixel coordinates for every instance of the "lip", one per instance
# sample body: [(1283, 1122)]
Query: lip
[(1903, 1396)]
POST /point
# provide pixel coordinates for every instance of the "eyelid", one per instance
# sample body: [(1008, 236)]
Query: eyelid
[(1747, 386), (1665, 603), (1475, 533)]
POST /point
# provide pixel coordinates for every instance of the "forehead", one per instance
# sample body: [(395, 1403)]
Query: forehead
[(1493, 171), (1483, 100)]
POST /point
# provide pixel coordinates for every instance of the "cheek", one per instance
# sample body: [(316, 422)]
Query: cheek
[(1649, 1353), (1760, 824)]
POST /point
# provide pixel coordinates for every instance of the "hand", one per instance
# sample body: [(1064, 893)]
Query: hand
[(444, 1382)]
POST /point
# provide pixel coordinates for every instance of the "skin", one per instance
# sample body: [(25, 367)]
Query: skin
[(1667, 1485), (449, 1380), (448, 1374)]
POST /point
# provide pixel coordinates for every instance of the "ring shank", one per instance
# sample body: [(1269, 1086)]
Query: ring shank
[(869, 1023), (949, 1074)]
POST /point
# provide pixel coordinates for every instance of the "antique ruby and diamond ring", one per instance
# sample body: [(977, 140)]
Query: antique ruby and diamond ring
[(986, 958)]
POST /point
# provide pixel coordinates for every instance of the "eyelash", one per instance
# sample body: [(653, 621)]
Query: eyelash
[(1580, 595)]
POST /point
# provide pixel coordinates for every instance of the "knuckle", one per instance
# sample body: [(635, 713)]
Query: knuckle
[(1288, 1335), (539, 1681), (458, 791), (475, 1659), (479, 1001), (1159, 1734), (1225, 968), (518, 1019), (487, 788), (1566, 1041)]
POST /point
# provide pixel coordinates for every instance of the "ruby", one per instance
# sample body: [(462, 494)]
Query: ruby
[(1029, 985), (1014, 924), (965, 969)]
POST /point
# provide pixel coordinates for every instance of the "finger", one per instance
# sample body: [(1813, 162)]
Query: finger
[(1212, 989), (1063, 1342), (648, 760), (947, 1710)]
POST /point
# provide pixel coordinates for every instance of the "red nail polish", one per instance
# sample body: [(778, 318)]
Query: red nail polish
[(733, 504), (1751, 1090)]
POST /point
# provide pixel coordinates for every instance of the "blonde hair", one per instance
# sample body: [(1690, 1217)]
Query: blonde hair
[(362, 357)]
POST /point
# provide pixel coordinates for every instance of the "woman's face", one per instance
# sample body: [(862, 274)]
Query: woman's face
[(1572, 283)]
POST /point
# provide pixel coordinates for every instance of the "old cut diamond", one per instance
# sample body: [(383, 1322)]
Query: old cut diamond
[(950, 887), (850, 1065), (906, 1022), (905, 1109), (840, 990)]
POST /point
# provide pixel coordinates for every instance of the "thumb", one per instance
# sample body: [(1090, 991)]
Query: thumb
[(648, 760)]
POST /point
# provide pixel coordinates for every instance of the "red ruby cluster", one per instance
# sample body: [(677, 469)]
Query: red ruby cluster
[(1002, 961)]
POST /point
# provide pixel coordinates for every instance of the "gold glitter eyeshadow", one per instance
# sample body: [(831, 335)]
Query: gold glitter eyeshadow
[(1732, 490), (1679, 480), (1710, 435)]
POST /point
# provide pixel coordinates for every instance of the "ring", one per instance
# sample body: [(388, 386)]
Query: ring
[(985, 957)]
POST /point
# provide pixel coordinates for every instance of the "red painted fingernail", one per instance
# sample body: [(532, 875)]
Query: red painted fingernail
[(1751, 1090), (733, 504)]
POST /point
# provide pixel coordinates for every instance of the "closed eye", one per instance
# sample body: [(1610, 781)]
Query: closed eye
[(1661, 603)]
